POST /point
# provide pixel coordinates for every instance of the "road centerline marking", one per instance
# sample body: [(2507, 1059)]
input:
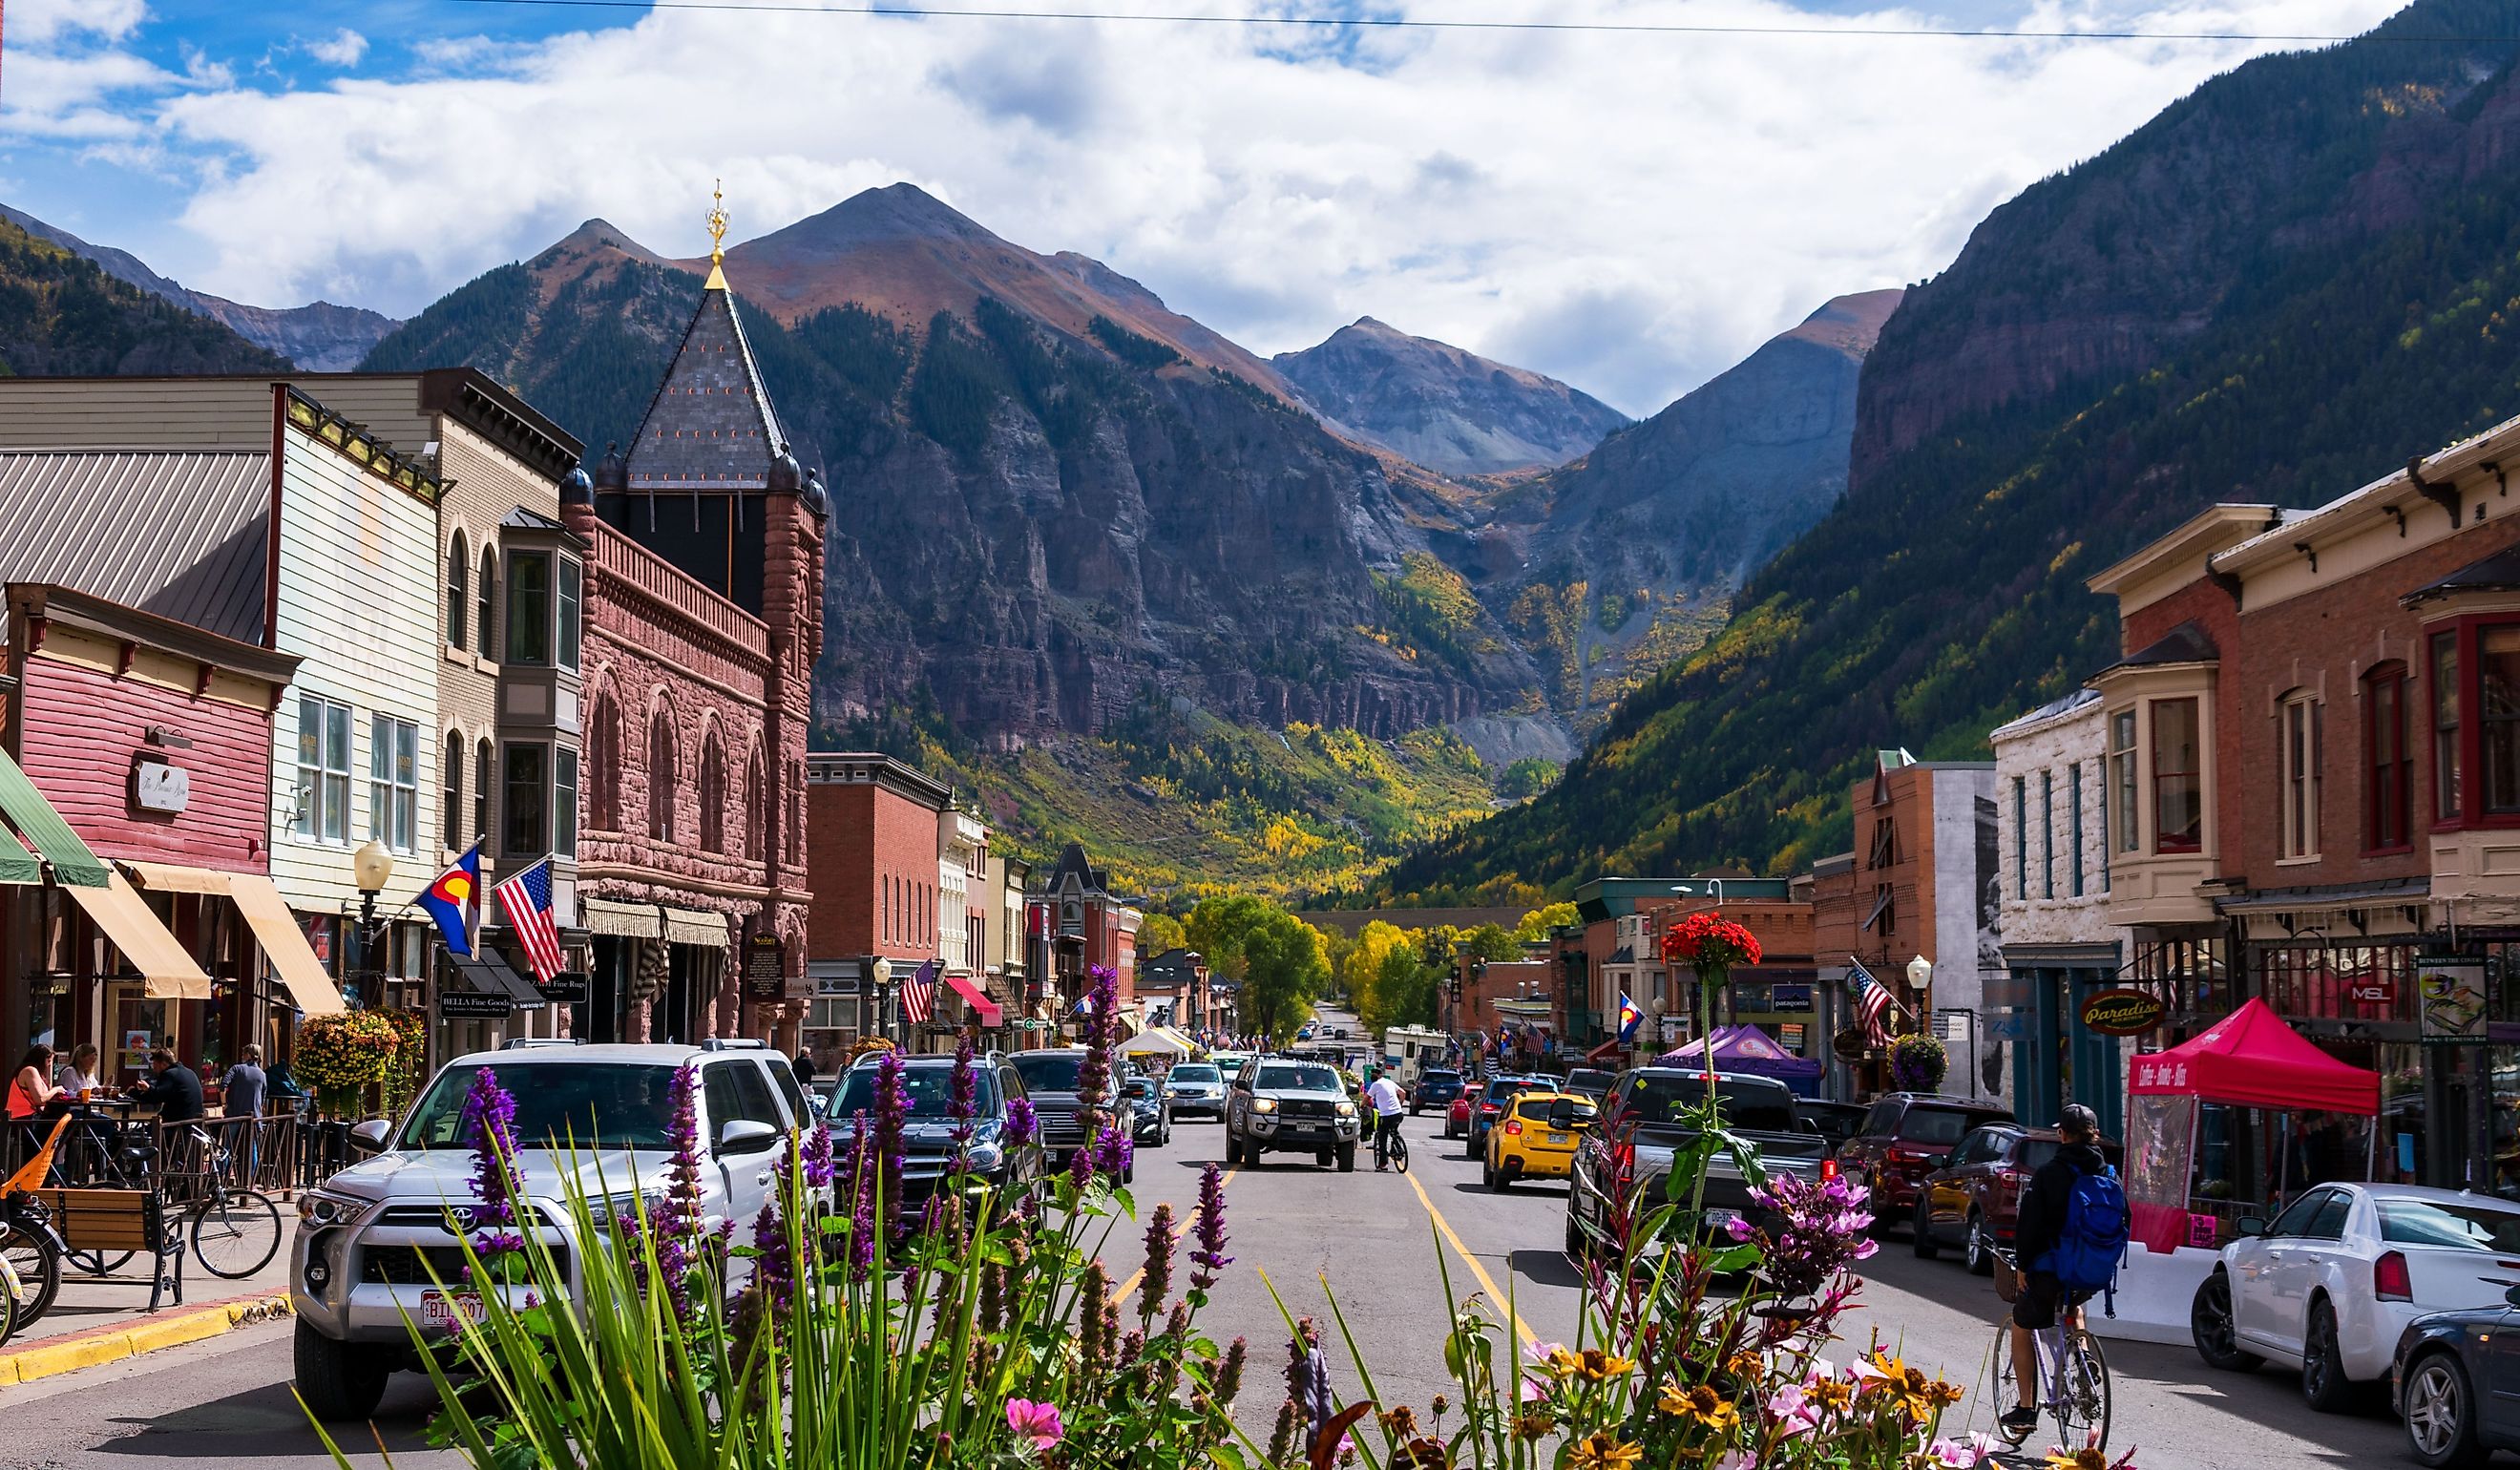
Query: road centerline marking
[(1487, 1283)]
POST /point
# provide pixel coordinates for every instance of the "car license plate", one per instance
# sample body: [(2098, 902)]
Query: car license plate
[(1717, 1217), (1557, 1138), (441, 1309)]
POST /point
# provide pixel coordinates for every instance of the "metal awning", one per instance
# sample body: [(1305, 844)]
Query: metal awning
[(284, 943), (622, 920), (44, 831), (696, 926), (166, 971), (487, 974)]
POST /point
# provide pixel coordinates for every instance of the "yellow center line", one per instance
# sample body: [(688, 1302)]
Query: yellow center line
[(1487, 1283), (1140, 1275)]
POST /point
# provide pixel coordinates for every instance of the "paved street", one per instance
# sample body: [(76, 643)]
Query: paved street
[(1380, 1243)]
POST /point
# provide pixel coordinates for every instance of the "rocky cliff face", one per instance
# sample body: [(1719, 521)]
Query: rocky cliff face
[(1441, 406), (1052, 498), (320, 338)]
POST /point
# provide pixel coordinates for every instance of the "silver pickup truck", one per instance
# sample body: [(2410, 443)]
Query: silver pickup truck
[(1621, 1170)]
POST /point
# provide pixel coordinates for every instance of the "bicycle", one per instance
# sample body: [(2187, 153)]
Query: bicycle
[(235, 1231), (1390, 1148), (2073, 1372)]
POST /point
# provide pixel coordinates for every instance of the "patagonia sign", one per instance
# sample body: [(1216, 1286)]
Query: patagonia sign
[(2120, 1013)]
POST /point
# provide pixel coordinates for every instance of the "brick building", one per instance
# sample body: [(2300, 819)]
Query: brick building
[(1781, 995), (871, 829), (703, 564), (1086, 926)]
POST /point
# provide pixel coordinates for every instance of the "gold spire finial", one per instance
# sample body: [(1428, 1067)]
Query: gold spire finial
[(717, 237)]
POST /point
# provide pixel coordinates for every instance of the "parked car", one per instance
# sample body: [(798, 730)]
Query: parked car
[(1285, 1106), (1150, 1112), (1590, 1082), (2332, 1285), (1196, 1089), (1457, 1116), (1050, 1076), (1904, 1139), (1437, 1087), (1627, 1155), (928, 1137), (1836, 1122), (1537, 1139), (1230, 1064), (369, 1237), (1972, 1200), (1491, 1105), (2446, 1389)]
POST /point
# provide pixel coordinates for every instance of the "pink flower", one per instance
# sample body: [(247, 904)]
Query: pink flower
[(1738, 1459), (1793, 1413), (1542, 1351), (1821, 1370), (1962, 1455), (1533, 1391), (1037, 1422)]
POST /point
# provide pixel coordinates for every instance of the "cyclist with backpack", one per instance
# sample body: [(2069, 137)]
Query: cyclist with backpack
[(2070, 1234)]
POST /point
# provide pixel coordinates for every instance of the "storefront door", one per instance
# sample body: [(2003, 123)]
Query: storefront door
[(134, 1022)]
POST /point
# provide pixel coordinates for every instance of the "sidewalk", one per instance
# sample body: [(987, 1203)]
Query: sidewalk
[(98, 1321)]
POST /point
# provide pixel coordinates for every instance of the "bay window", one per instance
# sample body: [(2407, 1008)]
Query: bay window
[(2178, 777), (528, 607), (2388, 786), (2448, 801), (521, 818), (565, 621), (2300, 739), (2128, 834), (2498, 717), (565, 802)]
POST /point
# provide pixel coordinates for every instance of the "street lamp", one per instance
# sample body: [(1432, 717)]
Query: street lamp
[(1920, 977), (372, 867), (878, 974)]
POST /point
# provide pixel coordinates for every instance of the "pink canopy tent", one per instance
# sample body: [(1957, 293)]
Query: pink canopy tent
[(2252, 1059)]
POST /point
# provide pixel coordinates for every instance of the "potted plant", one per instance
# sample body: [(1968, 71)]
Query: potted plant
[(1919, 1063), (341, 1055)]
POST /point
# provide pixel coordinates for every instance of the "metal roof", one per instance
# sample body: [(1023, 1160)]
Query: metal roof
[(181, 534)]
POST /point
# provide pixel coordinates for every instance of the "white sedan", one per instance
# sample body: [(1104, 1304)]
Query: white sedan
[(2330, 1284)]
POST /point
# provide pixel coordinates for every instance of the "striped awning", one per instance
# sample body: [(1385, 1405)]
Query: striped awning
[(622, 920), (695, 927), (44, 831)]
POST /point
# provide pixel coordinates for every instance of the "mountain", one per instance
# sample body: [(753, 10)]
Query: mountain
[(1633, 551), (1056, 502), (2281, 284), (319, 338), (1445, 409), (62, 315)]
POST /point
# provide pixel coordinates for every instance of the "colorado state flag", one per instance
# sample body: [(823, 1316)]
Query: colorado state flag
[(1629, 1018), (449, 900)]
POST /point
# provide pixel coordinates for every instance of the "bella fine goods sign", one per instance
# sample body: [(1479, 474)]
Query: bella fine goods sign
[(2120, 1013)]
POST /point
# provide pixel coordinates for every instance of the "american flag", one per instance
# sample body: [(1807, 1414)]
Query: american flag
[(919, 993), (1873, 1003), (527, 902)]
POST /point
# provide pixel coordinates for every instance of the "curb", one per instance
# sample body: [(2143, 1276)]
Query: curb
[(115, 1343)]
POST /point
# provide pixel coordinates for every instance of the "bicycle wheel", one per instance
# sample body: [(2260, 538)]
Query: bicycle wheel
[(236, 1234), (1400, 1153), (2080, 1400), (2008, 1386), (38, 1270)]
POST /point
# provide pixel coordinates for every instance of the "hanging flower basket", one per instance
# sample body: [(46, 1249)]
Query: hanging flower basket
[(342, 1056), (1919, 1063)]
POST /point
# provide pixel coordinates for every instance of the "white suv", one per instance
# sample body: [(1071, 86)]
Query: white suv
[(370, 1237)]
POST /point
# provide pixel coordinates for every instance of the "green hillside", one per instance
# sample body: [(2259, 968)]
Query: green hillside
[(61, 315), (2347, 227)]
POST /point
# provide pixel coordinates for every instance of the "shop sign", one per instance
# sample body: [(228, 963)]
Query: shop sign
[(2373, 992), (472, 1005), (1789, 998), (1849, 1045), (156, 786), (1792, 1035), (2451, 991), (566, 988), (2122, 1012), (765, 967)]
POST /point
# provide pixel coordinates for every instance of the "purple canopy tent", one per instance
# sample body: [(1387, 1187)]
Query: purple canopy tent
[(1747, 1048)]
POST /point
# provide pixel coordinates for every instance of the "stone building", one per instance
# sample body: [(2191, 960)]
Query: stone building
[(703, 561)]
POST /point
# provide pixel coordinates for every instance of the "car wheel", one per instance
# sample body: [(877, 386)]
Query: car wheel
[(338, 1380), (2441, 1413), (1926, 1247), (2209, 1327), (1977, 1252), (2322, 1364), (1347, 1158), (1880, 1225), (1576, 1241), (1503, 1180)]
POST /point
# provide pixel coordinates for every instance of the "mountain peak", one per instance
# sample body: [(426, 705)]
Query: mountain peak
[(600, 234), (1442, 405), (1851, 323), (872, 217)]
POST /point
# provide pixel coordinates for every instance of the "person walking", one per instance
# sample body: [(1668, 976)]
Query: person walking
[(805, 1070), (241, 1095)]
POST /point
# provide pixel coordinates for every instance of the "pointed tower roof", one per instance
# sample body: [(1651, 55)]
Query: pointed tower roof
[(710, 425)]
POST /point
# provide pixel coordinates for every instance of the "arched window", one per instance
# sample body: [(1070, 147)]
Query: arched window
[(752, 811), (604, 764), (488, 613), (712, 795), (661, 777), (458, 599), (450, 820), (482, 759)]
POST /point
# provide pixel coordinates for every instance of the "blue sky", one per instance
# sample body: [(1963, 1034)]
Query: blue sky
[(1630, 213)]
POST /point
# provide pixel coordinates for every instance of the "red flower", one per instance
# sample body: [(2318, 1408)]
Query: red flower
[(1707, 941)]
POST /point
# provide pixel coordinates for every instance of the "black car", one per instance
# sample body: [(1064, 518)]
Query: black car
[(1150, 1108), (1836, 1122), (1050, 1079), (929, 1157), (1591, 1082), (1437, 1087), (2456, 1387), (1491, 1104)]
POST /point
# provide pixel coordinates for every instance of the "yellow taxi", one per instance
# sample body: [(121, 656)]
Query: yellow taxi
[(1536, 1139)]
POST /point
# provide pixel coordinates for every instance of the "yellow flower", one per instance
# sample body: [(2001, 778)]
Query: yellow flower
[(1602, 1450), (1561, 1363), (2078, 1459), (1830, 1393), (1598, 1365), (1743, 1366), (1701, 1405), (1942, 1393), (1908, 1389), (1534, 1426)]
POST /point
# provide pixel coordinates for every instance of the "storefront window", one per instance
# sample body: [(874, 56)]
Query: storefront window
[(2178, 777), (2445, 787), (2498, 716)]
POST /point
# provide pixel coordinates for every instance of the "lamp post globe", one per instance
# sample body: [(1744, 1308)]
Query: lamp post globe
[(1920, 972), (372, 866)]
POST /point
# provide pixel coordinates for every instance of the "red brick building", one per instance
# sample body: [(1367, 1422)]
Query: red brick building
[(1089, 926), (704, 554), (870, 825)]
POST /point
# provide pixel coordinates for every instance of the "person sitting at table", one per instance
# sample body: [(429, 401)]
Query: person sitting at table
[(31, 1091), (78, 1075), (176, 1089)]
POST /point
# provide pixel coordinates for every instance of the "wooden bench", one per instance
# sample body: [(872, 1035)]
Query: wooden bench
[(121, 1222)]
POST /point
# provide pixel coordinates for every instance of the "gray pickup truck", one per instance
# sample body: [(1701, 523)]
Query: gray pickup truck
[(1621, 1168)]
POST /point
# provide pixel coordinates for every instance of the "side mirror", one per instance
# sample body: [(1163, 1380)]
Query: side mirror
[(370, 1137), (2250, 1225), (745, 1135), (1942, 1161), (2512, 1296), (1562, 1113)]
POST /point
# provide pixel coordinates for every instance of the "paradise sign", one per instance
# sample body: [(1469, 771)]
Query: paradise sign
[(2120, 1013)]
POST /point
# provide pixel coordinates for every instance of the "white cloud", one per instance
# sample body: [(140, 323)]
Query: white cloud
[(342, 51), (1632, 213)]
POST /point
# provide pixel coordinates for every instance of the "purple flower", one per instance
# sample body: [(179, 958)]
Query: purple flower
[(891, 1120), (1159, 1261), (489, 1124), (1114, 1153), (1023, 1125), (1207, 1228), (962, 1102), (820, 1164), (1036, 1422), (680, 1227), (1102, 1033), (1080, 1168), (774, 1275), (862, 1175), (1820, 1234)]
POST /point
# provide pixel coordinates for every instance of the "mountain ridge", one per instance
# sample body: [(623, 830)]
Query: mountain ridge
[(1442, 405)]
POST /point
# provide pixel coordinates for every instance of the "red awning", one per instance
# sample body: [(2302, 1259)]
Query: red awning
[(970, 990), (2253, 1058)]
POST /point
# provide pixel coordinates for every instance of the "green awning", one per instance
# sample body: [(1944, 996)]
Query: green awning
[(34, 818)]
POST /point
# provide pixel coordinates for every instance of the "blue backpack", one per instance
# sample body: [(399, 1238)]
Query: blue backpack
[(2094, 1239)]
